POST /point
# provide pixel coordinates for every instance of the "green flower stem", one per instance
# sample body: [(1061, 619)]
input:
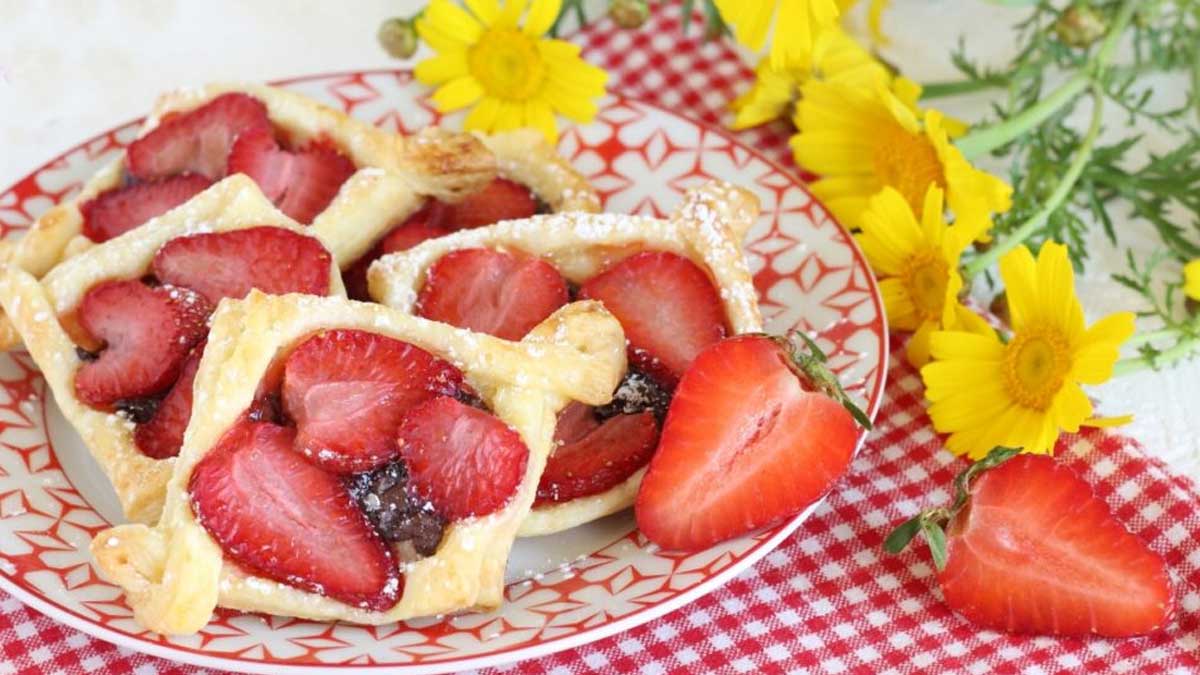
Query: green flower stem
[(1139, 339), (943, 89), (1061, 192), (1182, 350)]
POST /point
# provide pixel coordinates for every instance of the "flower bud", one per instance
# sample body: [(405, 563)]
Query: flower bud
[(398, 37), (1080, 26), (629, 13)]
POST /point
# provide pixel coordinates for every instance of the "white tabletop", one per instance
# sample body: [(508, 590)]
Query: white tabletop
[(70, 69)]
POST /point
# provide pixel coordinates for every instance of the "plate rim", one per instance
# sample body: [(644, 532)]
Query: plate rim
[(181, 654)]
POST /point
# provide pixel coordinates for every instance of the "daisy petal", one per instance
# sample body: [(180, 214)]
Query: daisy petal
[(457, 94), (541, 16)]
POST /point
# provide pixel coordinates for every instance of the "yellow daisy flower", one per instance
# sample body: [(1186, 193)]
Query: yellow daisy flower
[(1024, 393), (860, 140), (513, 75), (836, 57), (874, 16), (1191, 279), (917, 266), (798, 23)]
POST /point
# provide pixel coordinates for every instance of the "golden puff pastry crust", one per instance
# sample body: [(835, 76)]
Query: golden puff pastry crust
[(707, 228), (34, 307), (395, 174), (173, 573)]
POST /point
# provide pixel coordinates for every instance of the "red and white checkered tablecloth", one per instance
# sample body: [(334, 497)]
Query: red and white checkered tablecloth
[(828, 599)]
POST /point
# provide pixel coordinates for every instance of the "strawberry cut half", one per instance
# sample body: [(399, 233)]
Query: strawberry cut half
[(300, 183), (667, 306), (198, 141), (751, 439), (148, 333), (427, 223), (115, 212), (491, 292), (229, 264), (348, 391), (280, 517), (591, 457), (501, 199), (162, 435), (465, 461)]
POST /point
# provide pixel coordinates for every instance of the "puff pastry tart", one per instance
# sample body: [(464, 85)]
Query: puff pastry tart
[(118, 330), (317, 165), (676, 285), (348, 461)]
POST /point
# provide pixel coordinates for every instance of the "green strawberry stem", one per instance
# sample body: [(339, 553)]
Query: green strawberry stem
[(810, 366)]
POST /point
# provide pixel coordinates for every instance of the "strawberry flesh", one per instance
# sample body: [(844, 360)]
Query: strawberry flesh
[(745, 445), (285, 519), (161, 436), (301, 183), (1036, 551), (465, 461), (229, 264), (501, 199), (148, 333), (491, 292), (119, 210), (668, 307), (348, 391), (198, 141), (427, 223), (591, 456)]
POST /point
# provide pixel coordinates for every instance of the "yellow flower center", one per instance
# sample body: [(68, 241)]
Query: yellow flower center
[(507, 64), (1036, 363), (909, 163), (925, 276)]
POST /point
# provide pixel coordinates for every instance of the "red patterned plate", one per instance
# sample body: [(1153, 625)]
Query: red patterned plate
[(564, 590)]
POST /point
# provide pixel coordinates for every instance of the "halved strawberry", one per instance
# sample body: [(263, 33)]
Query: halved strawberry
[(162, 435), (348, 390), (427, 223), (667, 306), (501, 199), (1027, 547), (197, 141), (301, 183), (283, 518), (491, 292), (229, 264), (592, 456), (756, 433), (148, 333), (464, 460), (119, 210)]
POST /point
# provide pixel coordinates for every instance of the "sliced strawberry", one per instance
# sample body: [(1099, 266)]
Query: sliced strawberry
[(598, 459), (119, 210), (748, 442), (283, 518), (348, 390), (162, 435), (229, 264), (300, 183), (667, 306), (1030, 548), (491, 292), (465, 461), (148, 333), (501, 199), (197, 141), (427, 223)]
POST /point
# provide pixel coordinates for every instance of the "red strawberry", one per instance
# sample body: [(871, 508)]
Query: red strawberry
[(756, 433), (348, 390), (499, 200), (229, 264), (591, 456), (1027, 547), (148, 332), (427, 223), (197, 141), (465, 461), (491, 292), (667, 306), (162, 435), (283, 518), (300, 183), (119, 210)]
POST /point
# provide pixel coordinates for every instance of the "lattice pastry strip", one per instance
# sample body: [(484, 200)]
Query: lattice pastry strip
[(174, 573), (707, 228)]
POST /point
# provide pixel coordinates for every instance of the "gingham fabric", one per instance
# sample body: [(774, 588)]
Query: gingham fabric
[(827, 600)]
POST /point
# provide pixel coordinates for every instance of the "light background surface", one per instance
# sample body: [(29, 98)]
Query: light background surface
[(70, 69)]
